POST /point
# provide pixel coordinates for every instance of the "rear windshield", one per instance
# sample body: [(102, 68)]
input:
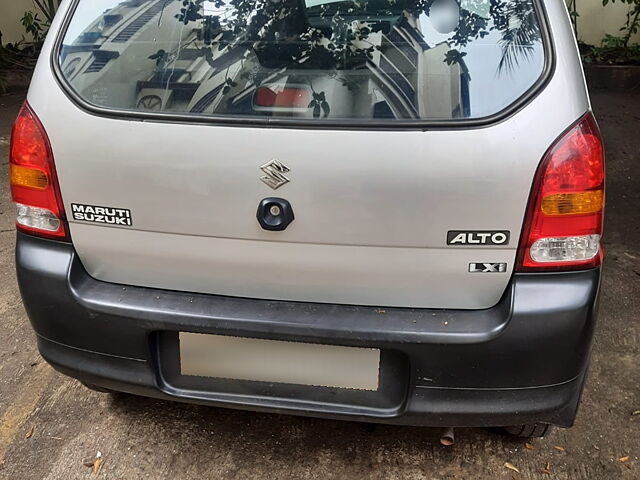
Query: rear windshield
[(384, 60)]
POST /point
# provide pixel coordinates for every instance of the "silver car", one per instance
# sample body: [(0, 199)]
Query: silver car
[(386, 211)]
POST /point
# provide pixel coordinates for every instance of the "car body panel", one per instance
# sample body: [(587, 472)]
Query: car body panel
[(372, 208)]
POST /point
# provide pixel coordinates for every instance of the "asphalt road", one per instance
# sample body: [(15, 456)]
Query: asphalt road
[(51, 427)]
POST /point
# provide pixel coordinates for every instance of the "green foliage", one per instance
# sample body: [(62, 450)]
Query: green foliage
[(612, 51), (319, 104), (453, 56), (15, 56), (518, 35), (36, 26), (22, 55), (632, 23), (33, 26), (617, 49), (334, 41), (48, 8), (326, 37), (611, 41)]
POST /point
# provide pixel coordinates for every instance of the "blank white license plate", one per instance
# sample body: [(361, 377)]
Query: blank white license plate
[(279, 362)]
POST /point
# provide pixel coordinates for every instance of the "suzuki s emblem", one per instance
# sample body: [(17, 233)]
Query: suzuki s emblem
[(274, 174)]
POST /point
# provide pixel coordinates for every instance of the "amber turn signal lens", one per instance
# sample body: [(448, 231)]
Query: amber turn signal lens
[(28, 177), (573, 203)]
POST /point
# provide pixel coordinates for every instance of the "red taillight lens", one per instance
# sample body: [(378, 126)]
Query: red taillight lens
[(34, 185), (564, 219), (285, 98)]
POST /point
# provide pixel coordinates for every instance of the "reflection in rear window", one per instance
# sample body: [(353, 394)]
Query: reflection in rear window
[(304, 59)]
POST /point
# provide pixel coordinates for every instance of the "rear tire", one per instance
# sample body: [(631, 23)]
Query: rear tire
[(529, 430)]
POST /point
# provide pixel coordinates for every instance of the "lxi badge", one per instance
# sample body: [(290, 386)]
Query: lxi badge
[(487, 267)]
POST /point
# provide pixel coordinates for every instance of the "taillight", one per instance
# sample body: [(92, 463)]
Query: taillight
[(564, 219), (34, 185)]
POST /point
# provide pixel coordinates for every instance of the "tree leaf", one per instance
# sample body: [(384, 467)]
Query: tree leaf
[(325, 108), (511, 466)]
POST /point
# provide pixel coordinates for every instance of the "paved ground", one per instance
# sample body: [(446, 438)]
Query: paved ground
[(50, 426)]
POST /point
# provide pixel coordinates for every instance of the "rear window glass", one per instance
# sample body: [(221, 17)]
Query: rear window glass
[(304, 59)]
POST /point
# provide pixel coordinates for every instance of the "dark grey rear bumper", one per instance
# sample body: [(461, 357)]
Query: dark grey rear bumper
[(522, 361)]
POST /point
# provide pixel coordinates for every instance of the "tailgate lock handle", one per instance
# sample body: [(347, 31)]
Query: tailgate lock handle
[(275, 214)]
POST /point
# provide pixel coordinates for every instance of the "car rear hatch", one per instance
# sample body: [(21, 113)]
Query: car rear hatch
[(403, 192)]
